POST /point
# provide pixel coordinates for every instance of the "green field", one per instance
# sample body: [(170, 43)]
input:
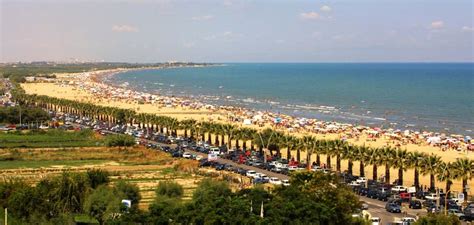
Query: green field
[(38, 164), (51, 139)]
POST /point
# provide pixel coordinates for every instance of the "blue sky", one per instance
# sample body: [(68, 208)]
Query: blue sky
[(237, 31)]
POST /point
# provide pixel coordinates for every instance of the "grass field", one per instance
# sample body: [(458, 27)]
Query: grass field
[(47, 163), (51, 139)]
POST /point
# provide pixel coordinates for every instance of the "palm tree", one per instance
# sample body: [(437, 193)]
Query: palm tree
[(289, 142), (401, 162), (386, 156), (264, 139), (349, 154), (431, 166), (372, 157), (309, 144), (186, 125), (337, 150), (416, 161), (463, 169), (360, 154), (229, 130), (446, 173)]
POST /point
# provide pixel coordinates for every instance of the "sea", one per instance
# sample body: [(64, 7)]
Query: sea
[(435, 97)]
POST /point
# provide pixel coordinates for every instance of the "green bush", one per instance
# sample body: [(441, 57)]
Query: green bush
[(119, 140), (169, 189)]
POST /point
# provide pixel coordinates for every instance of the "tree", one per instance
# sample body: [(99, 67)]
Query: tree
[(430, 166), (416, 161), (129, 191), (463, 170), (97, 177), (372, 156), (387, 155), (102, 203), (401, 162)]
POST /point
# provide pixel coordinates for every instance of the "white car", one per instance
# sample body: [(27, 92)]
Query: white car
[(199, 157), (432, 196), (187, 155), (376, 221), (408, 220), (354, 183), (251, 173), (292, 168), (275, 180), (361, 180), (285, 182), (399, 188)]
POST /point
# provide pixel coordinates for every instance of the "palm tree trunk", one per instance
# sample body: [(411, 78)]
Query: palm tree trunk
[(298, 155), (308, 160), (374, 172), (464, 190), (448, 185), (400, 176), (338, 163), (217, 140), (288, 153), (244, 145), (432, 181), (361, 169), (328, 161), (349, 166), (318, 159), (387, 173), (417, 178)]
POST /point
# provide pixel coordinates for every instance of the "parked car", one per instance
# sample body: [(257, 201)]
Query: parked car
[(251, 173), (285, 182), (376, 221), (415, 204), (398, 189), (187, 155), (393, 207), (275, 180), (457, 213), (432, 196)]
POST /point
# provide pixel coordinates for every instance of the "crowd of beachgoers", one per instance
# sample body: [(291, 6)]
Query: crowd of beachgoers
[(98, 84)]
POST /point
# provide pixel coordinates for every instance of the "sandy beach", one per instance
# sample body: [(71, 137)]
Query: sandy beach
[(67, 87)]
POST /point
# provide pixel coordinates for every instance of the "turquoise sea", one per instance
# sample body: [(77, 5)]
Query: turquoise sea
[(418, 96)]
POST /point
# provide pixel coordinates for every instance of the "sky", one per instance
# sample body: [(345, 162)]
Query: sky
[(237, 30)]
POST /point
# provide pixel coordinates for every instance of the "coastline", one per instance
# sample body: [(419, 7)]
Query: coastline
[(92, 87)]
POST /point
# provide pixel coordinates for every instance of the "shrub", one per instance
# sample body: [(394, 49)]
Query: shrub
[(97, 177), (169, 189), (119, 140)]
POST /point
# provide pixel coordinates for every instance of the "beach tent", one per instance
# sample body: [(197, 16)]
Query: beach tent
[(247, 122), (434, 140)]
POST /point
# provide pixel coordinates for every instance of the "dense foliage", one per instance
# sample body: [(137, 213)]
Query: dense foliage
[(312, 200), (56, 200), (438, 219), (119, 140), (28, 115)]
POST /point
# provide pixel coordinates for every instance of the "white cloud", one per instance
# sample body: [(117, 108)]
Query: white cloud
[(124, 28), (310, 16), (437, 24), (202, 18), (325, 8), (467, 29)]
